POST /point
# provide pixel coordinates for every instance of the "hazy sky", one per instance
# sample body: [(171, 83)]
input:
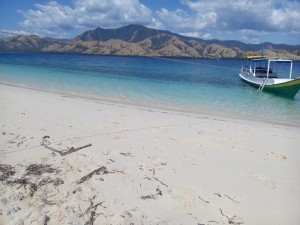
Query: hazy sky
[(250, 21)]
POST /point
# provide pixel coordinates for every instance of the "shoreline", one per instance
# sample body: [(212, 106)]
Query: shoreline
[(159, 107), (134, 164)]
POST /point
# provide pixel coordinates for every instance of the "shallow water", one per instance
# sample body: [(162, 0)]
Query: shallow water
[(194, 85)]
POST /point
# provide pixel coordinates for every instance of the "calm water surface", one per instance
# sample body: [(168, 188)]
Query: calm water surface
[(195, 85)]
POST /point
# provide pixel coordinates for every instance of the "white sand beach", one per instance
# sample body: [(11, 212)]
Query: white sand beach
[(151, 166)]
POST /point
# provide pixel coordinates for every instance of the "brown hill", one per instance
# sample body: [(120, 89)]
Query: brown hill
[(136, 40)]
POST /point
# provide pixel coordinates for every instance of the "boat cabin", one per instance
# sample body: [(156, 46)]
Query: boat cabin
[(266, 68)]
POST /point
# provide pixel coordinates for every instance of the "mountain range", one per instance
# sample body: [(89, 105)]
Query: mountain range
[(137, 40)]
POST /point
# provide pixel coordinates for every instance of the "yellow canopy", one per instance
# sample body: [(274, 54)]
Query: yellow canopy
[(253, 57)]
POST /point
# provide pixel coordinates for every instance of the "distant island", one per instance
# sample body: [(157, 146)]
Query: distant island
[(137, 40)]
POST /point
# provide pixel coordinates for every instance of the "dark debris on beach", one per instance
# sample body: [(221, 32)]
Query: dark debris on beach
[(39, 169), (7, 173)]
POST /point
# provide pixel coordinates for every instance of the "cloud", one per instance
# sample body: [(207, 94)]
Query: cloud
[(205, 36), (8, 33), (252, 36), (111, 13), (13, 32), (180, 20), (53, 18), (234, 16), (247, 19)]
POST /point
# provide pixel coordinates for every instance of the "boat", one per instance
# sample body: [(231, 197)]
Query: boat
[(271, 75)]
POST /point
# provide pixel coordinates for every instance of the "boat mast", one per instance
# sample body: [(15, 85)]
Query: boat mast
[(291, 69), (268, 69)]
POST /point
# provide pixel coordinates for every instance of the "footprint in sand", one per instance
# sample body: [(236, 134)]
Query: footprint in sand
[(277, 156), (265, 180)]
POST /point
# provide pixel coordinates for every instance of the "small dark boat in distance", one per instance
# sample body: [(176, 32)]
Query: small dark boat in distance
[(263, 74)]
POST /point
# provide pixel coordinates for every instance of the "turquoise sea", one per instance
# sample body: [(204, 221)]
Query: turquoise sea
[(192, 85)]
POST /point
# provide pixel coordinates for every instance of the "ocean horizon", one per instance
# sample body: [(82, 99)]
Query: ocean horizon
[(210, 86)]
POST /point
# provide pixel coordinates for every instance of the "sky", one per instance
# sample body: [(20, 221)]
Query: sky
[(249, 21)]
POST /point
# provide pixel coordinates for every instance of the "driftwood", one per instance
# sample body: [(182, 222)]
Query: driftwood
[(45, 142), (152, 196), (72, 149), (203, 199), (126, 154), (232, 199), (98, 171), (155, 178), (227, 196), (219, 195)]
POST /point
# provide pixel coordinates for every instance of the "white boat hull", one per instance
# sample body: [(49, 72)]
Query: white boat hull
[(284, 87)]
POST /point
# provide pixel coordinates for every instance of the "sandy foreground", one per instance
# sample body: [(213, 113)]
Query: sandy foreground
[(145, 166)]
